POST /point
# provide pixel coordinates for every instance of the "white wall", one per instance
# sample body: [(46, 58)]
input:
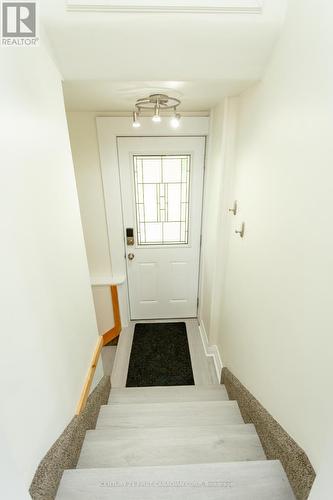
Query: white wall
[(211, 212), (104, 308), (216, 218), (85, 150), (47, 323), (322, 487), (83, 137), (12, 484), (276, 312)]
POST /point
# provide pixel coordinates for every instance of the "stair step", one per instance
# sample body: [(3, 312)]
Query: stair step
[(169, 414), (264, 480), (168, 394), (170, 446)]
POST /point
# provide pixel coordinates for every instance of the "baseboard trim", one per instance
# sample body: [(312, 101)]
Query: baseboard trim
[(277, 443), (211, 350), (64, 453)]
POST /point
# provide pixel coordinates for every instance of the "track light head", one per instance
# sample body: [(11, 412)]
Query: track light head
[(136, 123), (175, 120), (157, 117)]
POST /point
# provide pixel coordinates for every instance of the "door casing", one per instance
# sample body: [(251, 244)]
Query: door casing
[(108, 130)]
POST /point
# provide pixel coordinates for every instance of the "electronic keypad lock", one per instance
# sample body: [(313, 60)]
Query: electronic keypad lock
[(129, 236)]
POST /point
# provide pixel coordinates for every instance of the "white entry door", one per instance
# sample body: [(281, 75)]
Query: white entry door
[(161, 184)]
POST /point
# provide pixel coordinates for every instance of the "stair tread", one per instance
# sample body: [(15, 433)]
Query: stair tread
[(168, 446), (168, 394), (259, 480), (170, 414)]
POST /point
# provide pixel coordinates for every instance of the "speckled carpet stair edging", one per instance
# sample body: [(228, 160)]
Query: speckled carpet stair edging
[(64, 453), (277, 443)]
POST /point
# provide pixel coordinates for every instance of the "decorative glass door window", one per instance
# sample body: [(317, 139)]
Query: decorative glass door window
[(162, 193)]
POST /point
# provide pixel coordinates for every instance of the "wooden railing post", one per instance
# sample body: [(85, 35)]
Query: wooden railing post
[(115, 331)]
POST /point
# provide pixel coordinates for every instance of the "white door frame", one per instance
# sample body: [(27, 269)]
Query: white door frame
[(108, 129)]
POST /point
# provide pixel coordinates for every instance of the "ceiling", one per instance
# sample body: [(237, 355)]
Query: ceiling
[(121, 96), (109, 59)]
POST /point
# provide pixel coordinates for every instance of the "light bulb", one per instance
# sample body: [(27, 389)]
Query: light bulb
[(136, 123), (175, 121)]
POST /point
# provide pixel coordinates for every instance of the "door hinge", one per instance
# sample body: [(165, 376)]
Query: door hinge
[(197, 302)]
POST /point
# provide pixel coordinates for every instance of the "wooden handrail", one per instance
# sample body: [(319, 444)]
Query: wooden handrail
[(89, 377), (102, 341)]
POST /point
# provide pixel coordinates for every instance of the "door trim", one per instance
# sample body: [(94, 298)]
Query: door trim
[(108, 130)]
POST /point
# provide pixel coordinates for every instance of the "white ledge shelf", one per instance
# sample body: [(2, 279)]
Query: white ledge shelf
[(192, 6), (107, 280)]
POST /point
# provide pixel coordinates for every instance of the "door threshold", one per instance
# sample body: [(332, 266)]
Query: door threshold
[(163, 320)]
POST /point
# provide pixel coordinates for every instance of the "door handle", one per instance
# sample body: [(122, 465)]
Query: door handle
[(130, 256)]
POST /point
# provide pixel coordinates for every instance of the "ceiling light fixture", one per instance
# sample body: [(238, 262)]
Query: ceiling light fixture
[(157, 103)]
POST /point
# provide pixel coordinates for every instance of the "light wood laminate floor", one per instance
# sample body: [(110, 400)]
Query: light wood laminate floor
[(204, 372)]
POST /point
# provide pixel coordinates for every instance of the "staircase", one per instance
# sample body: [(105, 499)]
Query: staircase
[(174, 443)]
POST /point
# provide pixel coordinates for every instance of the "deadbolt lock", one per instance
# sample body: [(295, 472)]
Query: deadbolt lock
[(129, 236)]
